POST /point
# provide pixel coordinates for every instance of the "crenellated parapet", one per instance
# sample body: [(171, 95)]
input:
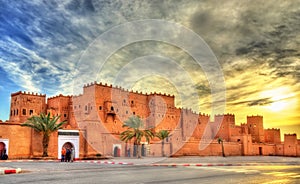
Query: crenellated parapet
[(254, 116), (291, 135), (28, 93), (95, 83), (204, 115), (59, 96), (273, 129), (227, 114)]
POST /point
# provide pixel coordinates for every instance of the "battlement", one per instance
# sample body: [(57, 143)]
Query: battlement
[(290, 135), (228, 114), (28, 93), (273, 129), (254, 116), (125, 90), (60, 95), (203, 114)]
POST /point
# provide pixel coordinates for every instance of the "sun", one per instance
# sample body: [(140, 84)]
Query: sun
[(281, 99), (278, 106)]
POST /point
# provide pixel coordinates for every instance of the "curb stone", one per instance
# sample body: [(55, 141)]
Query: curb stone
[(10, 171), (215, 164)]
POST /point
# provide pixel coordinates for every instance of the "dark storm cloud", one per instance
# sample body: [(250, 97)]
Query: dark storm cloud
[(242, 30), (48, 40)]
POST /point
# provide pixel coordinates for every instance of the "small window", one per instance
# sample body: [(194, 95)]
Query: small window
[(126, 112), (11, 113), (132, 102), (100, 108), (17, 111), (86, 108), (133, 113), (65, 115), (30, 112), (24, 112), (112, 108)]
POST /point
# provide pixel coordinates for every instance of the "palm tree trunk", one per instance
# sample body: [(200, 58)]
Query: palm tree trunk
[(163, 148), (223, 153), (45, 144), (138, 153)]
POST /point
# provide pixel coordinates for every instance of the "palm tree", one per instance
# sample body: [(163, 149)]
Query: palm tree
[(162, 134), (135, 130), (220, 141), (45, 124)]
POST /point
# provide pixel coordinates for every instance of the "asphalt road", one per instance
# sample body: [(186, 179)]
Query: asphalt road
[(73, 173)]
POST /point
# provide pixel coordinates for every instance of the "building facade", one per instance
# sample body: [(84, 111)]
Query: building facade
[(95, 119)]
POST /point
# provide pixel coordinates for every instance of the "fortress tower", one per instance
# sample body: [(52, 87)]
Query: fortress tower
[(290, 144), (272, 136), (61, 105), (226, 122), (24, 105), (256, 128)]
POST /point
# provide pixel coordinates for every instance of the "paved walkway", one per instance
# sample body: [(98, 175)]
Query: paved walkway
[(255, 160)]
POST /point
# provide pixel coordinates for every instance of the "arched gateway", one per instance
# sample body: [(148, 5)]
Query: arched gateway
[(68, 139), (4, 149)]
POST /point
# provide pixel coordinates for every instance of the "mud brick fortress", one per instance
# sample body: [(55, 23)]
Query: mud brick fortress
[(95, 119)]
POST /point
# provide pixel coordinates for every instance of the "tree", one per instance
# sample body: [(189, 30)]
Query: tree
[(162, 134), (220, 141), (45, 124), (135, 130)]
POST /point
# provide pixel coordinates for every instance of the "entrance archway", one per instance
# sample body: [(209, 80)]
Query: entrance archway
[(3, 154), (68, 145), (68, 139), (117, 150)]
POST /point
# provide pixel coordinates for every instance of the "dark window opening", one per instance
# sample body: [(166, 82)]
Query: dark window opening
[(100, 108), (112, 108), (133, 113), (65, 115), (24, 112), (126, 112), (11, 112), (132, 102), (17, 111), (86, 108), (30, 112)]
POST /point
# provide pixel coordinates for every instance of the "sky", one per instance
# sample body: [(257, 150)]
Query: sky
[(215, 57)]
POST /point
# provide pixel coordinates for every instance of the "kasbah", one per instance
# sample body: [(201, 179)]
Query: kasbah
[(95, 119)]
